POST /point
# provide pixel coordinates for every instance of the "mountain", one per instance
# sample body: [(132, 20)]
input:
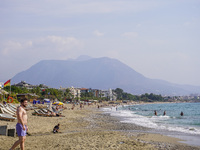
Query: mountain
[(99, 73)]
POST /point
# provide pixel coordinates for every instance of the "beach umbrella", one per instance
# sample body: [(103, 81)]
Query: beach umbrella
[(57, 103)]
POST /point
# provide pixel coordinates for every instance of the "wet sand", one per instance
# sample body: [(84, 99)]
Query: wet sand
[(89, 129)]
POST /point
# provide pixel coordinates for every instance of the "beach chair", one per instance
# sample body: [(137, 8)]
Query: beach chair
[(6, 110), (1, 110), (36, 113), (7, 117), (11, 108), (44, 110)]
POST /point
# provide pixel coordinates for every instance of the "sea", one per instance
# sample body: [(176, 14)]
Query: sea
[(186, 127)]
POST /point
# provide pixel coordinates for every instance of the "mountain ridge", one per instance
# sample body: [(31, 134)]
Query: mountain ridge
[(99, 73)]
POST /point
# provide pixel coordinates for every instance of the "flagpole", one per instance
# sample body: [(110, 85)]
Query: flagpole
[(10, 87)]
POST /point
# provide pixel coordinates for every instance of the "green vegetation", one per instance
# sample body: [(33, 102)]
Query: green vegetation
[(121, 95), (52, 93), (40, 92)]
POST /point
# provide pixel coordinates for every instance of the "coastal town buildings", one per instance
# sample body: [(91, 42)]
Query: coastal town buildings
[(77, 93), (23, 84)]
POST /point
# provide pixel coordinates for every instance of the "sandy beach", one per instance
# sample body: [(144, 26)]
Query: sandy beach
[(87, 129)]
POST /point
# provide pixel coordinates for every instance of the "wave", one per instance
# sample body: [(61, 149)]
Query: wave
[(155, 122)]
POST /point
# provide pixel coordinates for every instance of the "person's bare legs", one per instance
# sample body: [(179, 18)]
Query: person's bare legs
[(20, 141)]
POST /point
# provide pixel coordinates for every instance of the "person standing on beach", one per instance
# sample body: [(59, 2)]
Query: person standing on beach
[(21, 125)]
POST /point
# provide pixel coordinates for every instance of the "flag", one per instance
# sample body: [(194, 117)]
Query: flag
[(7, 83)]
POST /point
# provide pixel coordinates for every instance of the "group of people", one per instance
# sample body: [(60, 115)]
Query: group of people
[(164, 113)]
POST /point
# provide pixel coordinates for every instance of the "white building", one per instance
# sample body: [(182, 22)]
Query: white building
[(109, 94), (76, 92)]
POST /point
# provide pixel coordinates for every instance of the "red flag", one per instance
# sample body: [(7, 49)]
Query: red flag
[(7, 83)]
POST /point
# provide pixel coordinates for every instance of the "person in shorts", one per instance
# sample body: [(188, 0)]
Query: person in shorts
[(21, 126)]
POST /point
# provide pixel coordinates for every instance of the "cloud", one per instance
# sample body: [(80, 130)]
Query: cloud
[(20, 55), (10, 47), (49, 47), (130, 34), (97, 33), (58, 43)]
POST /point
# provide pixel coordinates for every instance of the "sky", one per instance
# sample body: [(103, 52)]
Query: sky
[(157, 38)]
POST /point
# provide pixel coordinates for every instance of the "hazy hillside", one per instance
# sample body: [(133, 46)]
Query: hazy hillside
[(101, 73)]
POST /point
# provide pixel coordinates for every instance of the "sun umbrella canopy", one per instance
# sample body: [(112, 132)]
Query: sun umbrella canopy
[(57, 103)]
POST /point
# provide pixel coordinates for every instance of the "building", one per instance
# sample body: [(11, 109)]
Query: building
[(76, 92), (96, 93), (109, 94), (23, 84), (84, 90)]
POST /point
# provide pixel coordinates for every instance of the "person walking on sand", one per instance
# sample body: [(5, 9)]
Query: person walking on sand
[(21, 125)]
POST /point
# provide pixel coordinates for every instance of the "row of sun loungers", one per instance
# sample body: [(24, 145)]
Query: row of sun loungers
[(45, 113), (7, 112)]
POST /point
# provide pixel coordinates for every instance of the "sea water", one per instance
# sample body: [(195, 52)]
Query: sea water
[(172, 123)]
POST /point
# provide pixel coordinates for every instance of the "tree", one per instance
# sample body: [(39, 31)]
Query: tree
[(119, 93), (67, 93)]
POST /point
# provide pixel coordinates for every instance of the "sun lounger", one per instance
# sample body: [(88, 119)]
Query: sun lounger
[(39, 113), (14, 110), (45, 110), (42, 113), (7, 117), (6, 111), (7, 107), (36, 113), (1, 110), (12, 107)]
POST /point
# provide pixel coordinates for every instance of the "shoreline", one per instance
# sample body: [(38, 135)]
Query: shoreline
[(151, 133), (189, 138), (89, 128)]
